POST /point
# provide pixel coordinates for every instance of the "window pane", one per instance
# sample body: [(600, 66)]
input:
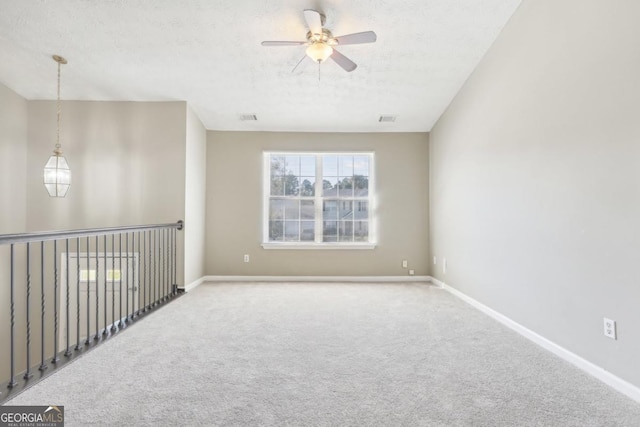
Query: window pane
[(345, 167), (360, 186), (277, 165), (307, 231), (361, 165), (345, 187), (308, 165), (276, 209), (345, 209), (291, 185), (330, 210), (345, 232), (308, 186), (330, 231), (291, 209), (277, 186), (330, 186), (307, 209), (361, 231), (293, 165), (276, 231), (292, 231), (330, 165), (361, 209)]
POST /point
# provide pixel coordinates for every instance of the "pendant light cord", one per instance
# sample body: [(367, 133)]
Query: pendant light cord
[(58, 130)]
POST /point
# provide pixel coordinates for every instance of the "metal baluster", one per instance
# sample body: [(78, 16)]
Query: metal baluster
[(88, 340), (169, 258), (55, 302), (68, 350), (133, 274), (106, 285), (156, 256), (28, 374), (152, 295), (139, 282), (145, 279), (97, 335), (126, 307), (77, 348), (12, 308), (120, 281), (113, 283), (43, 365)]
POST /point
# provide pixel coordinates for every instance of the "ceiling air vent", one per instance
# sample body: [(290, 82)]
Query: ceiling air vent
[(248, 117), (385, 119)]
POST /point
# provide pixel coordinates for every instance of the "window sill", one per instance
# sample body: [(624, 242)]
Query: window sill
[(320, 246)]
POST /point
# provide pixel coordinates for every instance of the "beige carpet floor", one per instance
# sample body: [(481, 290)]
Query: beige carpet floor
[(325, 354)]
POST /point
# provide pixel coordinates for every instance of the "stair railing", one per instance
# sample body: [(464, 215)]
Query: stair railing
[(72, 290)]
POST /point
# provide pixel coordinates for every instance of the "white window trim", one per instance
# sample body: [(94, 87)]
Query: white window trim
[(266, 189)]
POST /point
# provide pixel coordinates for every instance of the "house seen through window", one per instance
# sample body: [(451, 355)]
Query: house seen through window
[(318, 198)]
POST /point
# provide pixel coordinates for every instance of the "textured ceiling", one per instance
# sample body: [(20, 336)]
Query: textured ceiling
[(208, 53)]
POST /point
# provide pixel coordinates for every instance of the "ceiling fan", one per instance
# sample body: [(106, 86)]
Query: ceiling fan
[(321, 43)]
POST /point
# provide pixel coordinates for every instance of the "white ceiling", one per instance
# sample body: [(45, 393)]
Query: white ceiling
[(208, 53)]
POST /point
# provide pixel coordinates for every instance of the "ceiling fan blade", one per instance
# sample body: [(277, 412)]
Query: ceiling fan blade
[(314, 20), (281, 43), (346, 64), (357, 38)]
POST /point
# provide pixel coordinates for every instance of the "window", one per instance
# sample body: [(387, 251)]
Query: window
[(318, 200)]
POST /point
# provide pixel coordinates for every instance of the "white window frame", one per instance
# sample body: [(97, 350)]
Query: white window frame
[(318, 243)]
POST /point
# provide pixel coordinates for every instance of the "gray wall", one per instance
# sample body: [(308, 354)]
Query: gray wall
[(194, 215), (13, 157), (535, 178), (127, 161), (13, 199), (234, 205)]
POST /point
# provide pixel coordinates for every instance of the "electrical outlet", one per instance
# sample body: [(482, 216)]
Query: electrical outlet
[(610, 328), (246, 258), (411, 272), (404, 263), (435, 260), (444, 266)]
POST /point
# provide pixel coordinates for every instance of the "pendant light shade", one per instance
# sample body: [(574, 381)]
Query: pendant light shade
[(57, 175)]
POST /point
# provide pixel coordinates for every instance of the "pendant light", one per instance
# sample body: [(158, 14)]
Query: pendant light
[(57, 175)]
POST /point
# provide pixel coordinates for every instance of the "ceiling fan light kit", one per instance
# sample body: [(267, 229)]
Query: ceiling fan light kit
[(320, 42), (319, 51)]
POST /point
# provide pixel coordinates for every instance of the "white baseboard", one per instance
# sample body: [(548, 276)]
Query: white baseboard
[(361, 279), (191, 286), (606, 377)]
